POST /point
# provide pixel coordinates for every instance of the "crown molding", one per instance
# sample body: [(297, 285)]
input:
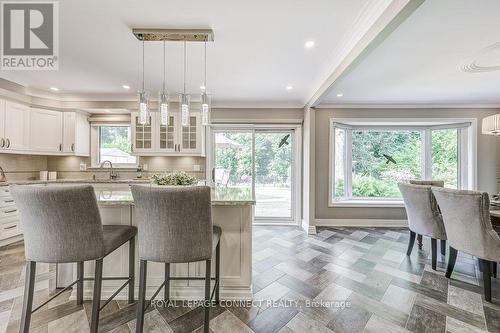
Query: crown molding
[(409, 106)]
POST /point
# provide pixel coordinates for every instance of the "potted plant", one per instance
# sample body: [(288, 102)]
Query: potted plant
[(176, 178)]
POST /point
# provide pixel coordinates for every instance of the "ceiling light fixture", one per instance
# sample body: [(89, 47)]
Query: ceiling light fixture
[(163, 96), (143, 97), (126, 87), (205, 98), (288, 87), (340, 95), (54, 89), (309, 44), (184, 99)]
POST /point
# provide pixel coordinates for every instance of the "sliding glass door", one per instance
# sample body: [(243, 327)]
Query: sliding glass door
[(261, 160)]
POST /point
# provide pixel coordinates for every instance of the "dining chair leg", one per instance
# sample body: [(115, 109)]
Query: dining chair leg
[(167, 282), (451, 261), (96, 298), (79, 285), (443, 247), (217, 272), (486, 278), (494, 269), (206, 321), (139, 326), (419, 242), (131, 270), (29, 288), (434, 253), (411, 242)]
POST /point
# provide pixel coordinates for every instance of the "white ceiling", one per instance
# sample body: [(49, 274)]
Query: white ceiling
[(419, 63), (258, 48)]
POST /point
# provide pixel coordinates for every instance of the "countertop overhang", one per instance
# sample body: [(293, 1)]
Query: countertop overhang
[(221, 196)]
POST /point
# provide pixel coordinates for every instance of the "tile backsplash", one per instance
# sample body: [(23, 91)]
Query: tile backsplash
[(24, 167)]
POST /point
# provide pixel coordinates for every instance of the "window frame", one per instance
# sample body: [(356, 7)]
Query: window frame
[(95, 129), (467, 138)]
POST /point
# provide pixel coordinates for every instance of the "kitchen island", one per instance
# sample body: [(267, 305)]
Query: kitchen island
[(232, 210)]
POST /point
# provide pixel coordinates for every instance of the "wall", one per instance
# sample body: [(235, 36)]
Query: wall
[(20, 167), (487, 151)]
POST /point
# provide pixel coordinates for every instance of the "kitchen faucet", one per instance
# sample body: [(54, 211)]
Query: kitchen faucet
[(112, 175)]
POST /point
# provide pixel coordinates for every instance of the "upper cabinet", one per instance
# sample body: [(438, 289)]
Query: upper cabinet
[(172, 139), (47, 131), (76, 129), (26, 130), (14, 126)]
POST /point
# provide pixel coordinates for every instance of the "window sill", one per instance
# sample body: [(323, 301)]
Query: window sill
[(367, 203)]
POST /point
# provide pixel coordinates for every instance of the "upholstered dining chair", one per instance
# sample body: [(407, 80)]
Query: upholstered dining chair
[(466, 218), (175, 226), (62, 224), (424, 217), (438, 183)]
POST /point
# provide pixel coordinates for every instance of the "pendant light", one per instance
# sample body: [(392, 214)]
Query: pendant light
[(184, 99), (164, 97), (205, 98), (143, 97)]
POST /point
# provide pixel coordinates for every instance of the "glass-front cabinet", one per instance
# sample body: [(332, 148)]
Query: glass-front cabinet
[(172, 139), (142, 134)]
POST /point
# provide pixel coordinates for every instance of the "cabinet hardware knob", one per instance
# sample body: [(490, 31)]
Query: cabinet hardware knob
[(7, 143), (72, 147), (10, 211), (60, 147), (10, 227), (2, 142)]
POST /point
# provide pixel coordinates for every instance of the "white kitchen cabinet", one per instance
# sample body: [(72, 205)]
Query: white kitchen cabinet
[(10, 228), (47, 131), (171, 140), (76, 134), (142, 135), (15, 126)]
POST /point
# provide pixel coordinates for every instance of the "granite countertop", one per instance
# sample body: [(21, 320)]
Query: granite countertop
[(78, 181), (220, 197)]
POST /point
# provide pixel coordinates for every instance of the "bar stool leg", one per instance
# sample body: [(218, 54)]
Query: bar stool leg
[(139, 326), (217, 272), (131, 270), (29, 288), (486, 278), (451, 261), (166, 295), (206, 321), (420, 242), (411, 242), (96, 298), (434, 253), (443, 247), (79, 285)]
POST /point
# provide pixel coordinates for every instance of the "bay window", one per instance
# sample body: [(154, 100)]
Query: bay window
[(368, 160)]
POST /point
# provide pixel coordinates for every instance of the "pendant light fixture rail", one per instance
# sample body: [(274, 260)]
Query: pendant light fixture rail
[(179, 35)]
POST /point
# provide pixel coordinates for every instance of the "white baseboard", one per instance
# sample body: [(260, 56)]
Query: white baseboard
[(310, 229), (360, 223)]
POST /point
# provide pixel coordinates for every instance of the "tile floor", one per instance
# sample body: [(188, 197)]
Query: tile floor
[(358, 279)]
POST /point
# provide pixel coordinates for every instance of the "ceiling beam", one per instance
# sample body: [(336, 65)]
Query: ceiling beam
[(375, 23)]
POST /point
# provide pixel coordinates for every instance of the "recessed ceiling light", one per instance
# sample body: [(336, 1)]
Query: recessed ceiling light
[(340, 94), (125, 86), (309, 44), (288, 87), (107, 111), (54, 89), (203, 87)]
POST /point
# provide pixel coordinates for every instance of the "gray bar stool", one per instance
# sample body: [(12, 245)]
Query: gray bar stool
[(62, 224), (175, 226), (424, 217)]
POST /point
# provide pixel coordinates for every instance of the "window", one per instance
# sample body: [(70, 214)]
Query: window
[(367, 161), (115, 145)]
